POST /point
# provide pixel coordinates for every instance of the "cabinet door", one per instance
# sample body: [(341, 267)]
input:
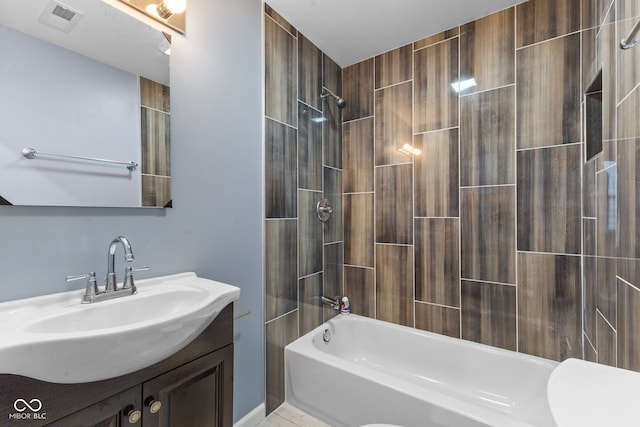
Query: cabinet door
[(121, 410), (197, 394)]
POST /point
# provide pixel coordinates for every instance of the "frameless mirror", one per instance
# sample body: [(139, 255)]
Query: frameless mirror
[(84, 106)]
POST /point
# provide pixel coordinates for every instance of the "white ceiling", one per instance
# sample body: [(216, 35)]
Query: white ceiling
[(350, 31)]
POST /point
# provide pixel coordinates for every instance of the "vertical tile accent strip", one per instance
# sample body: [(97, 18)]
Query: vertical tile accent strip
[(590, 285), (435, 102), (333, 270), (331, 75), (549, 305), (394, 284), (278, 334), (540, 20), (487, 142), (334, 228), (487, 227), (394, 204), (437, 261), (309, 72), (309, 234), (281, 76), (309, 304), (548, 93), (358, 156), (281, 269), (436, 174), (489, 314), (393, 123), (487, 51), (628, 326), (393, 67), (332, 135), (607, 294), (357, 82), (358, 230), (281, 156), (628, 194), (549, 211), (438, 319)]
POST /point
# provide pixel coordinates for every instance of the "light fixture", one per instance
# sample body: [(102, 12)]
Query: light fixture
[(410, 150), (462, 85), (169, 12), (167, 8)]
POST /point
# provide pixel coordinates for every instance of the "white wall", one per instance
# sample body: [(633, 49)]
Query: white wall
[(215, 228), (57, 101)]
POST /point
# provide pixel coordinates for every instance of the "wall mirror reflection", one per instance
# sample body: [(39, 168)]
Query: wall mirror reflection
[(85, 91)]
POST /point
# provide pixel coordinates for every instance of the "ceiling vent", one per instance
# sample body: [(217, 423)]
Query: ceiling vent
[(60, 16)]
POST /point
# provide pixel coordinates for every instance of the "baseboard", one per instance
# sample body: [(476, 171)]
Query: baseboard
[(253, 418)]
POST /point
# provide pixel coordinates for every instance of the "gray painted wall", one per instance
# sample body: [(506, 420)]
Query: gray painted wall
[(215, 227)]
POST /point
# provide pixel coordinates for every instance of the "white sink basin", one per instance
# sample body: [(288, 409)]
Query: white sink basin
[(585, 394), (55, 338)]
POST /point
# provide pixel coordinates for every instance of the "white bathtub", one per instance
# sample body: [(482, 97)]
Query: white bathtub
[(377, 372)]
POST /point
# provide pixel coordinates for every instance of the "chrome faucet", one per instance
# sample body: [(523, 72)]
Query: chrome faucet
[(111, 261), (342, 305)]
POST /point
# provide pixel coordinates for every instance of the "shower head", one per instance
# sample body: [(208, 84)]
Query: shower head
[(339, 100)]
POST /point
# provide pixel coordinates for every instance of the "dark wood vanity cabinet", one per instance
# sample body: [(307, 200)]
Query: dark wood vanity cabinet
[(192, 388)]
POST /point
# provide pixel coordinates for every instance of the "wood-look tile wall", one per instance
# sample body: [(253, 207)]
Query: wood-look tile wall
[(155, 140), (303, 164), (500, 231)]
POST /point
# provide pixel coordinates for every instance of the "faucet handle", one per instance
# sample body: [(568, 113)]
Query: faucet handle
[(92, 285), (128, 277)]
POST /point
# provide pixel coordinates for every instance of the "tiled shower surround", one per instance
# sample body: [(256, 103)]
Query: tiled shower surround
[(500, 231)]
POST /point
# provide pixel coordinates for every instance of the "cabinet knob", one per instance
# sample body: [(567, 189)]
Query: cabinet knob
[(133, 416), (153, 405)]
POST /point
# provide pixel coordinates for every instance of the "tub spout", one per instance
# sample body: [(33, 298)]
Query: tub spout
[(332, 302)]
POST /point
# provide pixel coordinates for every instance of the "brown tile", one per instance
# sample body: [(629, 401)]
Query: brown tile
[(309, 148), (590, 354), (607, 215), (489, 314), (606, 48), (588, 14), (628, 126), (540, 20), (628, 338), (394, 284), (332, 135), (589, 236), (436, 38), (607, 294), (487, 51), (333, 269), (549, 305), (156, 191), (278, 334), (359, 230), (393, 123), (357, 90), (590, 65), (606, 345), (437, 260), (438, 319), (359, 286), (549, 212), (487, 138), (393, 66), (309, 234), (331, 75), (628, 65), (548, 93), (309, 73), (357, 156), (281, 269), (309, 304), (487, 229), (590, 295), (629, 271), (281, 58), (435, 68), (334, 227), (269, 11), (281, 157), (154, 95), (394, 204), (436, 174), (628, 192), (155, 140)]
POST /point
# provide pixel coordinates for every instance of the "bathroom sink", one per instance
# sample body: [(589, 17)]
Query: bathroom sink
[(55, 338), (584, 394)]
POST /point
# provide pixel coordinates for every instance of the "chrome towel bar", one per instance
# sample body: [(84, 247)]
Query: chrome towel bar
[(31, 153), (632, 38)]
